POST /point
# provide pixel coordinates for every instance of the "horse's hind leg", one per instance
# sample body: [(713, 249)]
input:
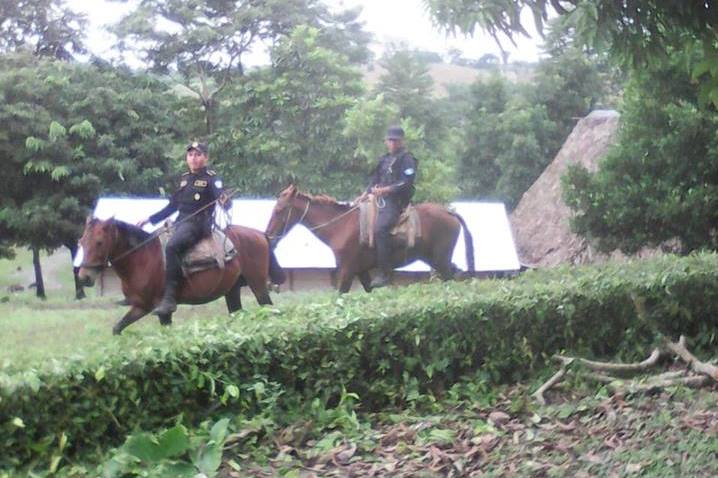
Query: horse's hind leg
[(441, 262), (261, 293), (134, 314), (233, 296)]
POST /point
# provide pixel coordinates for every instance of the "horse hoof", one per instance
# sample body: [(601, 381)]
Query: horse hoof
[(116, 331)]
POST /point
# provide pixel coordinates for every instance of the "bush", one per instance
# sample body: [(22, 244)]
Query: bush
[(384, 347)]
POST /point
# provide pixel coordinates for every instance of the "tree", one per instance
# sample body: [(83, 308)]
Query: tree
[(204, 42), (74, 132), (660, 182), (286, 121), (406, 83), (638, 34), (46, 27)]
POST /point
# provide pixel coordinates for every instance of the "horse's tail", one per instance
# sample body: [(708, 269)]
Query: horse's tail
[(276, 273), (469, 243)]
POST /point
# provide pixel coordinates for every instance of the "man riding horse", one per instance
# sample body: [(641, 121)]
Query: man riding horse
[(198, 190), (392, 184)]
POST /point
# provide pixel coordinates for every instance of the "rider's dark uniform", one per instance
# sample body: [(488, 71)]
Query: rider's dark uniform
[(396, 171), (195, 192)]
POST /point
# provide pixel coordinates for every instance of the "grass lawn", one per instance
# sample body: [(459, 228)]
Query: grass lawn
[(60, 326)]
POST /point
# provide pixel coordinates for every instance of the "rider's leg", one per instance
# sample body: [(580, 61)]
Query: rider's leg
[(183, 238), (385, 221)]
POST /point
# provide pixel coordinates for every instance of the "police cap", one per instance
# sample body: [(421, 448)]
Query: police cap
[(394, 132), (201, 147)]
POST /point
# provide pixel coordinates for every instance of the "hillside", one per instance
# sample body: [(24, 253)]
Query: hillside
[(445, 74)]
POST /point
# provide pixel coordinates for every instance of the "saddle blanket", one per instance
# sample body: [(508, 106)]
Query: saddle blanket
[(406, 230)]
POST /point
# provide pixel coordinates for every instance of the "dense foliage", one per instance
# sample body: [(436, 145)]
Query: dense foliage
[(74, 132), (638, 34), (659, 184), (385, 348)]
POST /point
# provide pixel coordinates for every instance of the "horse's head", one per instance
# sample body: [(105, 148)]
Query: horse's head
[(284, 215), (96, 244)]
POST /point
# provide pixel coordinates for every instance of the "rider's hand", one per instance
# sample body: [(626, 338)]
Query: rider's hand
[(141, 223), (379, 191)]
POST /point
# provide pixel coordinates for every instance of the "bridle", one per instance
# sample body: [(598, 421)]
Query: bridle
[(286, 221), (110, 260), (304, 214), (99, 266)]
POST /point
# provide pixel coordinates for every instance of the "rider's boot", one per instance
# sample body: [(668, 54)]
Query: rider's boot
[(169, 300), (173, 274), (383, 259)]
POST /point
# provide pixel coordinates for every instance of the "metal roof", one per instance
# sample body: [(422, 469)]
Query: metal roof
[(494, 248)]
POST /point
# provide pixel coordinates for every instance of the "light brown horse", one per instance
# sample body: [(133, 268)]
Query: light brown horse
[(337, 225), (137, 258)]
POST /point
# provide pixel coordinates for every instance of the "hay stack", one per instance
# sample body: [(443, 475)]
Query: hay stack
[(540, 222)]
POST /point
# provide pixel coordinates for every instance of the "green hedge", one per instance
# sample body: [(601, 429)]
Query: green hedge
[(382, 346)]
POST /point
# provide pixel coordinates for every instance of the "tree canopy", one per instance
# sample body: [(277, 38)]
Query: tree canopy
[(45, 27), (76, 131), (636, 33)]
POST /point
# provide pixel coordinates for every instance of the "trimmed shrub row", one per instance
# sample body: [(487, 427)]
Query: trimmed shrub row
[(382, 346)]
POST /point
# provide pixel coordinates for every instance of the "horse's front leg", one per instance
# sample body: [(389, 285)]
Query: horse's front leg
[(365, 280), (134, 314), (345, 277)]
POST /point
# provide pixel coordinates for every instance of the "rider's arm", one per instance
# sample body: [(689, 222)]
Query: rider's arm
[(219, 194), (406, 176), (166, 211)]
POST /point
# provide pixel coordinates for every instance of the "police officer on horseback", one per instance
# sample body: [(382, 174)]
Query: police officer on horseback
[(199, 188), (392, 184)]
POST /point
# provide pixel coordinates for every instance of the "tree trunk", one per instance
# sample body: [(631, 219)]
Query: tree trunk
[(208, 105), (79, 290), (39, 284)]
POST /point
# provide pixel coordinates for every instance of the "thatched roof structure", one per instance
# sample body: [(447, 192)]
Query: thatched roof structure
[(540, 222)]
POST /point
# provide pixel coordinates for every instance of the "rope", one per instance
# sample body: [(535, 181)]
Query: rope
[(334, 219)]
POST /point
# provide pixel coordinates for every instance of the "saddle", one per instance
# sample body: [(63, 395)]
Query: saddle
[(209, 253), (405, 232)]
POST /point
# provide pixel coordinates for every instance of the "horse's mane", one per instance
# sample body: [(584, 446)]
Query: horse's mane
[(134, 234), (323, 199)]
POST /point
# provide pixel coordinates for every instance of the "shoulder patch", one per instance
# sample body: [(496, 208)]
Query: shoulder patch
[(218, 184), (211, 172), (409, 172)]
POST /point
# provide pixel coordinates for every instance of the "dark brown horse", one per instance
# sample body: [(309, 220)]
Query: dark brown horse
[(137, 258), (337, 225)]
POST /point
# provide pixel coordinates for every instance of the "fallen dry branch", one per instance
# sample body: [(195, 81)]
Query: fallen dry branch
[(557, 377), (651, 361), (701, 367), (601, 372)]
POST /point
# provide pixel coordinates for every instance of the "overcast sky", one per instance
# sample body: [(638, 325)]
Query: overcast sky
[(390, 21)]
